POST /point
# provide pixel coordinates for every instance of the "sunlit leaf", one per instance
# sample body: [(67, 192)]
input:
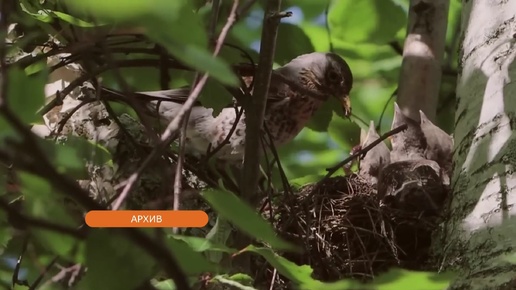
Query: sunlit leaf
[(301, 275), (48, 16), (235, 282), (244, 217), (403, 279), (378, 20), (203, 244), (165, 285)]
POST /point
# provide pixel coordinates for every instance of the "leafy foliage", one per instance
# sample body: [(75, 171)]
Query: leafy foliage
[(363, 32)]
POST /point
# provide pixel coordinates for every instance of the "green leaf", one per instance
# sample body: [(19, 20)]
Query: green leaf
[(114, 263), (201, 244), (311, 9), (224, 279), (72, 155), (301, 275), (378, 20), (25, 94), (215, 96), (48, 16), (219, 234), (186, 40), (240, 214), (164, 285), (191, 261), (403, 279), (35, 67), (287, 35), (322, 117), (42, 202), (306, 180), (342, 131)]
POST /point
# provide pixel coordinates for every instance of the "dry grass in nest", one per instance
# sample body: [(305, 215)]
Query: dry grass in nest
[(346, 233)]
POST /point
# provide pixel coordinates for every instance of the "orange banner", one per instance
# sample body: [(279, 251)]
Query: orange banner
[(146, 219)]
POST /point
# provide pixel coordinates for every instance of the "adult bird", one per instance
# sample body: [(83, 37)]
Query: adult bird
[(297, 90)]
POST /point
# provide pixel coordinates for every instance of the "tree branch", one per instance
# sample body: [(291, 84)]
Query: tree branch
[(423, 52), (255, 106)]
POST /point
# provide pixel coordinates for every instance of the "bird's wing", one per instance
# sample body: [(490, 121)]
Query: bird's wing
[(178, 95)]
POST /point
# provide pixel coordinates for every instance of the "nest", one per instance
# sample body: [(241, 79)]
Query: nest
[(347, 233)]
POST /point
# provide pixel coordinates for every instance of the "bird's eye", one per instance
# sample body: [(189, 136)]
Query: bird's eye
[(333, 76)]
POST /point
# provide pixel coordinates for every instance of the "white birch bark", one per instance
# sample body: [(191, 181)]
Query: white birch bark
[(481, 228)]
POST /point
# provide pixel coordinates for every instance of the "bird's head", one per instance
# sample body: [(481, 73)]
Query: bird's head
[(332, 75)]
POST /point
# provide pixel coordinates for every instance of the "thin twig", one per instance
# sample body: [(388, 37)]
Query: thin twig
[(385, 109), (212, 153), (284, 179), (273, 280), (181, 156), (327, 24), (182, 140), (173, 126), (61, 124), (43, 273), (364, 150)]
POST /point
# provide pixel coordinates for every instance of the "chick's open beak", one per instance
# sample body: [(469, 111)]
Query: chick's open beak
[(346, 104)]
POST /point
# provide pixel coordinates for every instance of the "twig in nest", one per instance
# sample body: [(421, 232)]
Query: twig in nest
[(363, 151), (174, 125)]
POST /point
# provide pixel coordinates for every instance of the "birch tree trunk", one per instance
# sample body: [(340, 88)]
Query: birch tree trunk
[(481, 229)]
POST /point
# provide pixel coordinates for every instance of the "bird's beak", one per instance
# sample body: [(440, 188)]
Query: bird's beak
[(346, 104)]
